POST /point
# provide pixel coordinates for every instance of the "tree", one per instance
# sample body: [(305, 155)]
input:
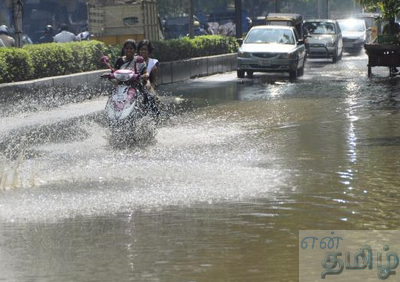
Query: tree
[(172, 7), (389, 8)]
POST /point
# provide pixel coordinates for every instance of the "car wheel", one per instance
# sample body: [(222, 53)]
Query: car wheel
[(250, 74), (340, 55), (301, 70), (240, 73), (293, 74), (335, 56)]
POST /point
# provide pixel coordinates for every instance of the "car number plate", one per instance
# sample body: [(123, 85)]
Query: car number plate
[(348, 44), (264, 63)]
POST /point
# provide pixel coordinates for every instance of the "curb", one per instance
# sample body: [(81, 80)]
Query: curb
[(91, 83)]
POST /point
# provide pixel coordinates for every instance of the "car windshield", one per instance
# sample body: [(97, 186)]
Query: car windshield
[(281, 36), (352, 25), (320, 27)]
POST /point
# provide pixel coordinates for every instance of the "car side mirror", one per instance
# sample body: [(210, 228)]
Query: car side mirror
[(239, 40), (369, 29), (300, 41)]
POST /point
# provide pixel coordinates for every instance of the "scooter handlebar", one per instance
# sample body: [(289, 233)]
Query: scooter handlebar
[(107, 75), (136, 77)]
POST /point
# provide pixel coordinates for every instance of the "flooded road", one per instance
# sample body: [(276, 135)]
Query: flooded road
[(219, 195)]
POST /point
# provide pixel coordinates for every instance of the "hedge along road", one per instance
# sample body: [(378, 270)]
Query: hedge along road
[(221, 192)]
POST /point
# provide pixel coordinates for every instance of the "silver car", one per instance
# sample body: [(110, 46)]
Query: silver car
[(324, 39), (355, 34), (271, 49)]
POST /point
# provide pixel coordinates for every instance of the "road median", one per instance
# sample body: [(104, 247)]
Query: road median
[(88, 84)]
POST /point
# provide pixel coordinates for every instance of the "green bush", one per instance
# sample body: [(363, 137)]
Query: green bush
[(185, 48), (15, 65), (49, 59), (52, 59)]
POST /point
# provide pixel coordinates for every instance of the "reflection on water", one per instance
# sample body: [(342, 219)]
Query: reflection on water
[(222, 192)]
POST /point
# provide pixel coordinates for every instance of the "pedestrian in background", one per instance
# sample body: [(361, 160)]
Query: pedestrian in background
[(84, 35), (5, 38), (64, 36), (48, 35)]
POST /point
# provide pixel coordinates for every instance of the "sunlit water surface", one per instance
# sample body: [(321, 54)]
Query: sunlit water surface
[(218, 195)]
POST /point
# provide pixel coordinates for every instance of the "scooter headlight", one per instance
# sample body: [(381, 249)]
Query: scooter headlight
[(331, 44), (123, 75), (361, 39)]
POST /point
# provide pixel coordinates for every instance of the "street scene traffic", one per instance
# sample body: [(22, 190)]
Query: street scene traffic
[(210, 178)]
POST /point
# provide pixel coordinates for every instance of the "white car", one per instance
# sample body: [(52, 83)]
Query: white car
[(271, 49), (355, 34)]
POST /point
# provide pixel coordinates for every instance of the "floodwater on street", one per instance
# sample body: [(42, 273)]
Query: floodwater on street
[(222, 191)]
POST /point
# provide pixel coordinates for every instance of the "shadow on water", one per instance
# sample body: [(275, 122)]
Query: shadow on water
[(201, 93), (318, 63), (383, 92), (381, 141)]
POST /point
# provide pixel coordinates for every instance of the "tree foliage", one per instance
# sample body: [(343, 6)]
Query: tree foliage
[(171, 8), (388, 8)]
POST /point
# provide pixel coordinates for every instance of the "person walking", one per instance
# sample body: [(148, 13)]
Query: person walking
[(64, 36)]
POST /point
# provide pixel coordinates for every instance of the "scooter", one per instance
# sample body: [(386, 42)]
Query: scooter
[(128, 105)]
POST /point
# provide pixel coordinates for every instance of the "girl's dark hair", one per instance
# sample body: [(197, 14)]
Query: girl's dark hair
[(126, 43), (145, 42)]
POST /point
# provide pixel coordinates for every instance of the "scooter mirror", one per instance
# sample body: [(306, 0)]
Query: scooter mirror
[(104, 59), (139, 59)]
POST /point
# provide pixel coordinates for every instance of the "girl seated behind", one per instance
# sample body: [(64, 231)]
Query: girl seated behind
[(145, 49)]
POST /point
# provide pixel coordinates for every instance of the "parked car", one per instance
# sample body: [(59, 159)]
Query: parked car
[(271, 49), (324, 39), (355, 34)]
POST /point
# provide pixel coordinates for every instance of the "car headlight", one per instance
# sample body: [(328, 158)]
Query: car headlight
[(331, 44), (242, 54), (361, 39), (289, 55)]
